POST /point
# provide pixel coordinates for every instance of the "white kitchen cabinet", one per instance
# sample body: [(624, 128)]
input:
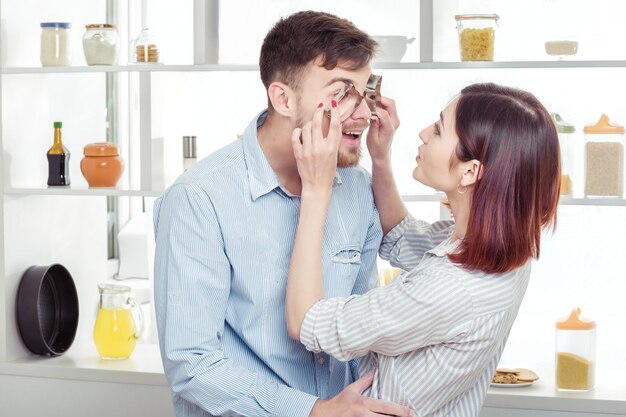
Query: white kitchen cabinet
[(43, 225)]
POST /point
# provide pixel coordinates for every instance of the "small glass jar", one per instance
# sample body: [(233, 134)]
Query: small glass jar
[(477, 35), (55, 45), (101, 44), (568, 154), (145, 48), (102, 165), (575, 353), (604, 159)]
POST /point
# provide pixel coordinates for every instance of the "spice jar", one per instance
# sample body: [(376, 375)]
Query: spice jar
[(604, 159), (145, 48), (568, 152), (100, 44), (575, 353), (55, 44), (102, 165), (477, 35)]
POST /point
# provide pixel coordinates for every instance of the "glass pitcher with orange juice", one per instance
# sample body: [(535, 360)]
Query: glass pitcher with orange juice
[(115, 332)]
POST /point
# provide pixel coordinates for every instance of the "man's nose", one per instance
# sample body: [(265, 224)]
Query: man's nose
[(362, 111)]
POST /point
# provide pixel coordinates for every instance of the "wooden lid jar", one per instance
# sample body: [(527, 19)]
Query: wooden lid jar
[(102, 165)]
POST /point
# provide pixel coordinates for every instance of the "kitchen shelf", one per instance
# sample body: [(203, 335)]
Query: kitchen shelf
[(83, 191), (82, 363), (564, 201), (254, 67), (144, 367), (125, 192)]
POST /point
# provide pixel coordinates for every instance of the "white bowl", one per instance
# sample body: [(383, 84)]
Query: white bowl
[(559, 48), (391, 48)]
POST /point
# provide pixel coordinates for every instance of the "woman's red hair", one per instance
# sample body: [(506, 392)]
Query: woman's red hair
[(517, 193)]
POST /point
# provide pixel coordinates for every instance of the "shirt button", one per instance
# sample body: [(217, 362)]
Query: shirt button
[(321, 361)]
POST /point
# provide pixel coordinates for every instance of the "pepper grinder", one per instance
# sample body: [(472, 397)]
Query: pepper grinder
[(189, 152)]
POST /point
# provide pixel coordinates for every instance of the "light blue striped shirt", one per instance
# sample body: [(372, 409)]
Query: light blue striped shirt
[(224, 236)]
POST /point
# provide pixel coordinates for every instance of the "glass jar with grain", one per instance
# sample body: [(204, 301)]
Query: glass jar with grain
[(477, 35), (575, 353), (568, 147), (604, 159)]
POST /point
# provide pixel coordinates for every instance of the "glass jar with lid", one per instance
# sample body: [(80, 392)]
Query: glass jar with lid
[(575, 353), (101, 44), (568, 154), (604, 159), (477, 35), (55, 44), (145, 48)]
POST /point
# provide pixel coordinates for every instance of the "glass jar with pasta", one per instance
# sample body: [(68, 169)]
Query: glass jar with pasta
[(477, 35)]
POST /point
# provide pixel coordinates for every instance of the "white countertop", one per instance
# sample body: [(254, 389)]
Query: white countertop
[(144, 367), (608, 396), (83, 363)]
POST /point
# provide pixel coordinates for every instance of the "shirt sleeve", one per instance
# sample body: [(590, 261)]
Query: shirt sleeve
[(367, 277), (192, 286), (405, 245), (411, 313)]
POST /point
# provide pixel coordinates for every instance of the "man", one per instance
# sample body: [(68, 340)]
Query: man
[(224, 236)]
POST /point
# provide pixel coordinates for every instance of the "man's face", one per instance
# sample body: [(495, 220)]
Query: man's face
[(319, 85)]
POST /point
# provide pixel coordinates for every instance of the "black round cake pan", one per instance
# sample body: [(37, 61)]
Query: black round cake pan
[(47, 309)]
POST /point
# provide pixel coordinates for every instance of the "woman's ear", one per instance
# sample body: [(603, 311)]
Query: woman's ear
[(282, 98), (472, 172)]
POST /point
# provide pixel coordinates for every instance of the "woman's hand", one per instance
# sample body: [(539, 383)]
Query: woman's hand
[(381, 131), (316, 156)]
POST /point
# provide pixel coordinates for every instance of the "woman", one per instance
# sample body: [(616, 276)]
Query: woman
[(435, 334)]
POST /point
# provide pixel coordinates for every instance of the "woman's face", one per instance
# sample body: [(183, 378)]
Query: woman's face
[(435, 155)]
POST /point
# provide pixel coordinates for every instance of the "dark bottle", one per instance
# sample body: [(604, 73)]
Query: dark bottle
[(58, 160)]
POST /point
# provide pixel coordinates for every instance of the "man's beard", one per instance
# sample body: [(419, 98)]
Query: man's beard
[(348, 158)]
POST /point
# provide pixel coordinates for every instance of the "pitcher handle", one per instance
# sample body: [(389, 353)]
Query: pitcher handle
[(135, 305)]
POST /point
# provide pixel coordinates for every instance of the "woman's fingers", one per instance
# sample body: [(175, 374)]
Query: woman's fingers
[(296, 142), (389, 105), (334, 132)]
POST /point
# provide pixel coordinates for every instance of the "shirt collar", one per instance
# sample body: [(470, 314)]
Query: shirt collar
[(446, 247), (261, 176)]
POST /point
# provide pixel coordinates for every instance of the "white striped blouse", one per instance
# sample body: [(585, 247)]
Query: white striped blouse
[(435, 334)]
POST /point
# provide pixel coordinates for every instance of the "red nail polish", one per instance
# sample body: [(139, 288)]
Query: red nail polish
[(320, 105), (333, 103)]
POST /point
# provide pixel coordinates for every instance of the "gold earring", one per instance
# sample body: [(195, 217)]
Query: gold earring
[(458, 189)]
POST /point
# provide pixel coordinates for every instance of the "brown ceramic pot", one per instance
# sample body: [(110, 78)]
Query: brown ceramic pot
[(102, 165)]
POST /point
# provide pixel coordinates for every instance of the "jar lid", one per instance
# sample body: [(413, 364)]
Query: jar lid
[(561, 125), (604, 126), (63, 25), (575, 322), (101, 149), (476, 16), (100, 26)]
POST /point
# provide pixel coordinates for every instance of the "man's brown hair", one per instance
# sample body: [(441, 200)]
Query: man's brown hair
[(297, 40)]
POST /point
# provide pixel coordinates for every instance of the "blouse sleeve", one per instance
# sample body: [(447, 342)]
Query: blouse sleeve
[(411, 313), (405, 245)]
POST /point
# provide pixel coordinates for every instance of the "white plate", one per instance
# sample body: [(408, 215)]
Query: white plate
[(525, 384)]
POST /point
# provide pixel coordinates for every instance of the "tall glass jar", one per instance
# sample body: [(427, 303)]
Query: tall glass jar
[(568, 153), (55, 45), (604, 159), (477, 35), (575, 353), (101, 44)]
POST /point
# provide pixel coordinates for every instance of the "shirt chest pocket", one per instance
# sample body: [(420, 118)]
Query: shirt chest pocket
[(344, 265)]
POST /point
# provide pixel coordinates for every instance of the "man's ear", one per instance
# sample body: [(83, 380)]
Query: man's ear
[(472, 172), (282, 98)]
